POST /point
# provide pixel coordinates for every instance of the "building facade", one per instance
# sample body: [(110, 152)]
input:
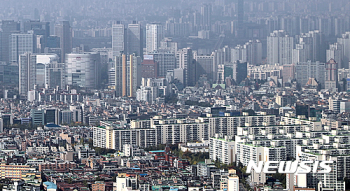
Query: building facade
[(83, 69)]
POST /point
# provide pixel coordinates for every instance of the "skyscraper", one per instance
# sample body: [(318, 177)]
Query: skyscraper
[(127, 75), (154, 35), (279, 48), (240, 12), (335, 52), (8, 27), (20, 44), (301, 53), (345, 42), (134, 43), (118, 39), (254, 52), (313, 41), (240, 71), (39, 28), (64, 31), (134, 64), (27, 72), (331, 75), (206, 16), (118, 67), (184, 60), (127, 40), (250, 52)]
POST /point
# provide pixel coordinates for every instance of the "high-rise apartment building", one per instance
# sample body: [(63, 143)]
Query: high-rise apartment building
[(83, 69), (238, 53), (314, 43), (240, 12), (331, 75), (250, 52), (177, 132), (154, 35), (206, 16), (279, 48), (222, 149), (64, 31), (288, 73), (301, 53), (108, 137), (254, 52), (345, 42), (228, 125), (111, 78), (335, 52)]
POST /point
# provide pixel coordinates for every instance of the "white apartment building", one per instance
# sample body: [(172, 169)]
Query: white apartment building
[(233, 183), (110, 138), (228, 125), (289, 119), (301, 53), (151, 89), (335, 52), (250, 52), (248, 152), (279, 48), (263, 72), (222, 149), (99, 137), (154, 35), (182, 132), (332, 180)]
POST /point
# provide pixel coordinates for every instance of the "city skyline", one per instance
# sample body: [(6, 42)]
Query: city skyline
[(151, 95)]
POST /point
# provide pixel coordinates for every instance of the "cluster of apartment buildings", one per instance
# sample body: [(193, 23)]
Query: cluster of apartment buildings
[(145, 133), (292, 139)]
